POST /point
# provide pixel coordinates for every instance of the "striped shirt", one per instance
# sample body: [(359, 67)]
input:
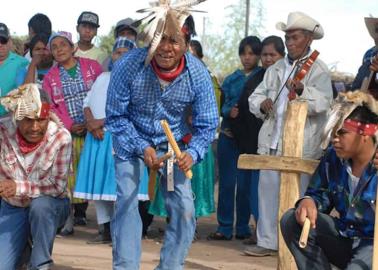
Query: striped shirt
[(136, 103), (43, 171)]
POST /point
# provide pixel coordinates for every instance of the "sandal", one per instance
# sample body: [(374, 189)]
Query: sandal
[(218, 236)]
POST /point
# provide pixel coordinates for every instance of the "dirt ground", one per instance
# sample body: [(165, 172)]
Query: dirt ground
[(73, 252)]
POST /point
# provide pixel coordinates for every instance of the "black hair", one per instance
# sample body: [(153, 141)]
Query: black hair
[(40, 23), (364, 115), (253, 42), (277, 42), (197, 47), (189, 23), (41, 37)]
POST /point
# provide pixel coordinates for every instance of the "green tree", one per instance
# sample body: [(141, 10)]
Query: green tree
[(221, 49), (107, 41)]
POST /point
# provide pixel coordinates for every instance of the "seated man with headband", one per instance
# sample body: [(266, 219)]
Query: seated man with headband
[(345, 180)]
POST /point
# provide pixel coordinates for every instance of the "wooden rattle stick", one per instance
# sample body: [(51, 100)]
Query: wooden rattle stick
[(153, 175), (304, 235), (152, 184), (375, 243), (173, 143)]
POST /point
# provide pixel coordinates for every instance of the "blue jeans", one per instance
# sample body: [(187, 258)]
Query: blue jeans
[(230, 177), (39, 222), (127, 225)]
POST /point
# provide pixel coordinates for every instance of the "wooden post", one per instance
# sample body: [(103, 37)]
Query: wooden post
[(291, 166), (292, 146), (375, 243)]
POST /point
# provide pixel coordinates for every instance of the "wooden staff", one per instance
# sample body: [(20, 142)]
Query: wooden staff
[(375, 243), (304, 235), (173, 143), (153, 175)]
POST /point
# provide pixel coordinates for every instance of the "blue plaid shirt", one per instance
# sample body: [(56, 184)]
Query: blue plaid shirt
[(74, 91), (136, 103), (369, 54), (329, 187)]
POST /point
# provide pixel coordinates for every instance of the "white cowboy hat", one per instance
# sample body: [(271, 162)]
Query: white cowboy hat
[(299, 20), (372, 26)]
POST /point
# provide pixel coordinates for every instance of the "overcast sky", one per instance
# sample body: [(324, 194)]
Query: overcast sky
[(345, 40)]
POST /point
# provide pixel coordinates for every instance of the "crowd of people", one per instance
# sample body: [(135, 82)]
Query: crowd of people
[(78, 126)]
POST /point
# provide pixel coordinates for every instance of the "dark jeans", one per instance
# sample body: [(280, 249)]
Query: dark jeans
[(80, 210), (232, 179), (325, 245), (146, 217)]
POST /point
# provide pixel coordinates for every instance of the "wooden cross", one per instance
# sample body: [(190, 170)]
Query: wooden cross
[(290, 165)]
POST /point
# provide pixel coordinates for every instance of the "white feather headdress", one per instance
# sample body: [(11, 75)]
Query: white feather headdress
[(342, 107), (24, 101), (164, 19)]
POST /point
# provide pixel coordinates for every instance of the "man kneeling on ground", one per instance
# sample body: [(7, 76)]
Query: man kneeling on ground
[(35, 152), (345, 180)]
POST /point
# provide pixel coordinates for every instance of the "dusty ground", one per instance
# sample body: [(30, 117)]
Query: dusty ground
[(73, 252)]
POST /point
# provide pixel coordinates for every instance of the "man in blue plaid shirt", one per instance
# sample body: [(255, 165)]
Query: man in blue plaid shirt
[(369, 57), (140, 95), (345, 180)]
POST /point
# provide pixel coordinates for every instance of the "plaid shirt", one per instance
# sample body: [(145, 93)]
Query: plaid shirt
[(46, 174), (329, 187), (136, 103), (74, 91)]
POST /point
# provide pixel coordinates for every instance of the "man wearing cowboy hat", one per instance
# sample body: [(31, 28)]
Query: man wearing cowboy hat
[(369, 61), (149, 85), (316, 89), (35, 150)]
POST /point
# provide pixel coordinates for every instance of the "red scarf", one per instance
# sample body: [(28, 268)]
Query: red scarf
[(25, 146), (168, 76)]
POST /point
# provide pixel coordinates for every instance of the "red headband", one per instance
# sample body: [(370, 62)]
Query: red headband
[(360, 128), (45, 110)]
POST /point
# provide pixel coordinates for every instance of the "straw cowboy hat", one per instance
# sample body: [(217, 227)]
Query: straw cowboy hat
[(299, 20), (372, 26)]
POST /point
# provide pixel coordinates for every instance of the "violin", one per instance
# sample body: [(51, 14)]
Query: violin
[(302, 71)]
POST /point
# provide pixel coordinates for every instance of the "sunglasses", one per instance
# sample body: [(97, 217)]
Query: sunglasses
[(3, 40)]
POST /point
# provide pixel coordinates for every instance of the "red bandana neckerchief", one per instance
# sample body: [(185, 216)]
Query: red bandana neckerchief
[(168, 76), (360, 128), (26, 147)]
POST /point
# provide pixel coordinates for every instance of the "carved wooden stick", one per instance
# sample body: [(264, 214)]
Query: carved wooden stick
[(173, 143), (153, 175), (375, 243), (304, 235), (152, 184)]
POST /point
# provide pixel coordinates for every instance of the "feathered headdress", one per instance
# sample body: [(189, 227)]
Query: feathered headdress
[(342, 107), (164, 19), (25, 101)]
